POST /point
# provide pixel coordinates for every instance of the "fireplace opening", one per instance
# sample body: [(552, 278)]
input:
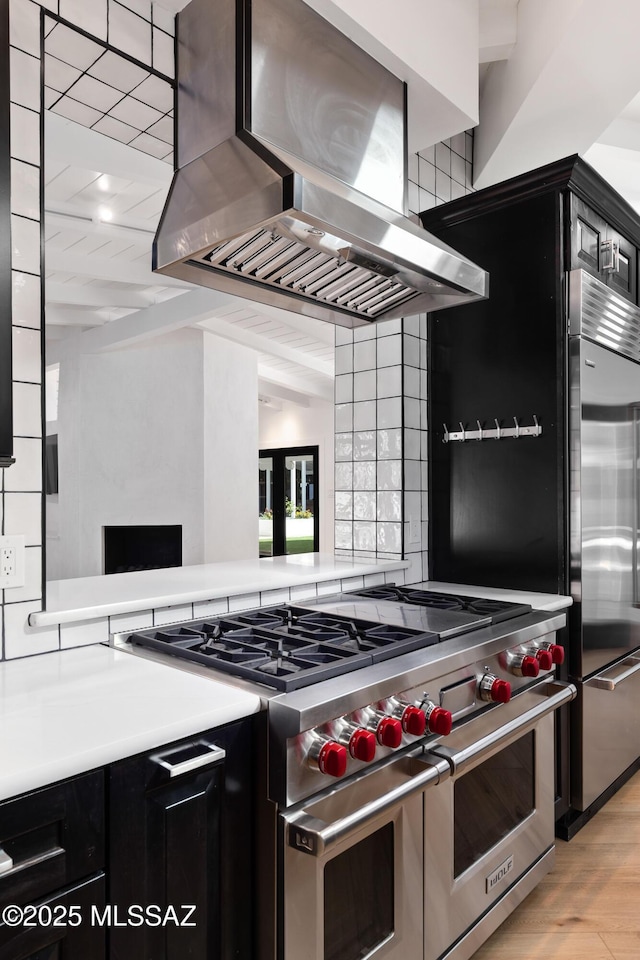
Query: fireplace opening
[(130, 548)]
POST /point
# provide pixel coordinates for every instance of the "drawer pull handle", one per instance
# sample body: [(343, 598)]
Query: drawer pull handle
[(6, 862), (210, 754)]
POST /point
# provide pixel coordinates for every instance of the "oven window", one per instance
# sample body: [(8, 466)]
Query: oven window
[(358, 897), (491, 800)]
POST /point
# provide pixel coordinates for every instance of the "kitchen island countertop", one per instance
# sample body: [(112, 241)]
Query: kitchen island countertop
[(86, 598), (64, 713)]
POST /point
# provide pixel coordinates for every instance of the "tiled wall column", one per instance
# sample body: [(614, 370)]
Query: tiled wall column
[(381, 507), (143, 30)]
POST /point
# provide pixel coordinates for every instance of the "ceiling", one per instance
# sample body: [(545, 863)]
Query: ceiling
[(108, 148)]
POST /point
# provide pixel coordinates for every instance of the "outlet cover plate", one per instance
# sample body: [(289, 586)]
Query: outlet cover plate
[(16, 578)]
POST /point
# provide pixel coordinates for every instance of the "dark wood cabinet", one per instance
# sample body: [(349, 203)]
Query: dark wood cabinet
[(154, 853), (603, 250), (181, 834)]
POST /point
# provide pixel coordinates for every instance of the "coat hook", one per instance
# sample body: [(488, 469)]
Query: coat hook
[(446, 434), (498, 431), (537, 426), (480, 431), (515, 420), (462, 431)]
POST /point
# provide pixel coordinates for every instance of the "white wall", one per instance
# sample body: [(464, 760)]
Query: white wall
[(295, 426), (161, 433)]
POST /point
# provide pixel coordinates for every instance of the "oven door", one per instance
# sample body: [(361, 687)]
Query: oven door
[(352, 871), (489, 829)]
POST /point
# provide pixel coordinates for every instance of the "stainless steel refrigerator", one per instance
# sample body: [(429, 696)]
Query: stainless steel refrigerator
[(604, 527)]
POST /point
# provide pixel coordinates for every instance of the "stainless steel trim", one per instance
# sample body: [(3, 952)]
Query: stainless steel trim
[(31, 862), (311, 835), (553, 695), (292, 713), (6, 862), (211, 754), (603, 316), (470, 942), (610, 679)]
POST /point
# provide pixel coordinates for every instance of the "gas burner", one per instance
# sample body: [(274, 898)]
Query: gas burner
[(439, 601), (388, 592)]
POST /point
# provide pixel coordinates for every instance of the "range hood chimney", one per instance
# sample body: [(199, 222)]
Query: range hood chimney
[(291, 172)]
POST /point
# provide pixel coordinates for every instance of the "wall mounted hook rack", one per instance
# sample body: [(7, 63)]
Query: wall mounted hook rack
[(497, 433)]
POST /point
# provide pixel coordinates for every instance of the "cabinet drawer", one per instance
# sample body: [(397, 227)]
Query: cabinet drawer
[(54, 837), (86, 941)]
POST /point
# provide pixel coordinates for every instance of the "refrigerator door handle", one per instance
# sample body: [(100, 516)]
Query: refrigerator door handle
[(608, 681)]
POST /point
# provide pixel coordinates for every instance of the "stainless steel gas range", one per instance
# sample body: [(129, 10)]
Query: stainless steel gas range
[(409, 790)]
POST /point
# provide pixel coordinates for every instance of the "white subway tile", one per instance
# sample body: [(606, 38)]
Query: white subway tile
[(84, 632), (343, 534), (443, 158), (390, 444), (89, 15), (303, 591), (174, 614), (390, 382), (374, 579), (25, 189), (344, 388), (270, 598), (344, 359), (328, 587), (23, 516), (443, 186), (364, 385), (414, 572), (125, 622), (22, 640), (164, 19), (389, 475), (364, 508), (412, 444), (25, 245), (412, 475), (26, 355), (389, 412), (24, 26), (163, 53), (364, 475), (244, 601), (389, 505), (386, 328), (25, 134), (343, 336), (364, 445), (364, 415), (364, 355), (364, 333), (390, 351), (352, 583), (141, 7), (211, 608), (129, 33), (389, 537), (343, 417), (412, 413), (25, 475), (343, 505), (27, 410), (364, 535), (344, 476), (411, 350), (344, 446)]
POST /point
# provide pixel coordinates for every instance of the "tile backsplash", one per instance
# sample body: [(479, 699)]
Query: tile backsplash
[(142, 30), (381, 503)]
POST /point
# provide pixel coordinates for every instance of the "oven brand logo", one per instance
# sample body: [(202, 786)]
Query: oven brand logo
[(499, 873)]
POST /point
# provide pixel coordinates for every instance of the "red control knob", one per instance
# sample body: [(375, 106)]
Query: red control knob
[(362, 745), (440, 721), (414, 721), (557, 653), (545, 659), (332, 759), (500, 691), (529, 667), (389, 732)]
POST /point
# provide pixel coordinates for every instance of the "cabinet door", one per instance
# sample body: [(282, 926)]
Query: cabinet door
[(44, 941), (167, 821), (588, 232), (623, 278), (54, 836)]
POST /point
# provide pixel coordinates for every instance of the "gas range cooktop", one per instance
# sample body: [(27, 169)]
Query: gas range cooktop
[(288, 647)]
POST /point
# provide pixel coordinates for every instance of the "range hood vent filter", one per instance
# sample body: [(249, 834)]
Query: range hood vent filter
[(291, 180)]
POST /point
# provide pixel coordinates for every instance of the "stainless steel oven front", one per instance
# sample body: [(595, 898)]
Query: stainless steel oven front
[(489, 829), (424, 856)]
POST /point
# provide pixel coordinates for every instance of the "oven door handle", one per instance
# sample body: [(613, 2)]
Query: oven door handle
[(313, 836), (555, 695)]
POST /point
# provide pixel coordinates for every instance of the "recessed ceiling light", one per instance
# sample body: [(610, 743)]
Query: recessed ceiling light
[(103, 183), (104, 213)]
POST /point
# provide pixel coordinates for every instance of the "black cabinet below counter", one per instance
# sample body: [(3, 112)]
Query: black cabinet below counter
[(146, 859)]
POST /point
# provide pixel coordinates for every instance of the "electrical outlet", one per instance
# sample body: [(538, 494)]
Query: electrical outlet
[(11, 562)]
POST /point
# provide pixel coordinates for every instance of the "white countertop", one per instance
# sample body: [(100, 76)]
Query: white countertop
[(88, 598), (539, 601), (62, 714)]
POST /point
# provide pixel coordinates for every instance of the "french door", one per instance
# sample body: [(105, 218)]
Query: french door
[(288, 501)]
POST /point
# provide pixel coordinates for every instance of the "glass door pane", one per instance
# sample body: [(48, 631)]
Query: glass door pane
[(299, 495), (265, 506)]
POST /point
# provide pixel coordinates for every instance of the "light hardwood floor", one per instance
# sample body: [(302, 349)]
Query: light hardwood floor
[(589, 907)]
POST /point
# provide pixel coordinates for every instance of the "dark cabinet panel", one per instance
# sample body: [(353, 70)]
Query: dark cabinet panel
[(67, 941), (54, 836), (181, 834), (601, 249)]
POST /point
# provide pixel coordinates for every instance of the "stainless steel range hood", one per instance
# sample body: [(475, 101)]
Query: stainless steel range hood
[(291, 179)]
